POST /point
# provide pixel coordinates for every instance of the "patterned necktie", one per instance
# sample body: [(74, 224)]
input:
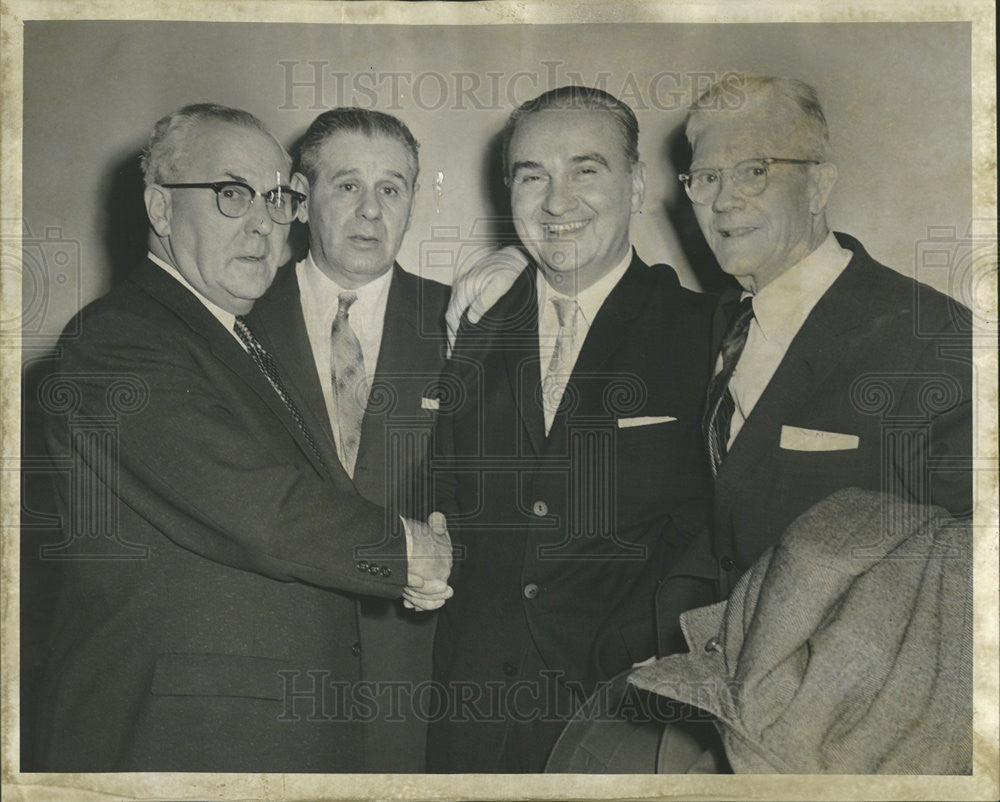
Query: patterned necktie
[(350, 386), (270, 370), (554, 383), (721, 406)]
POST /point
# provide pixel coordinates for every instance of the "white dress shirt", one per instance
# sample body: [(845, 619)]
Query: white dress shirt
[(589, 301), (779, 310), (318, 295), (227, 319), (319, 307)]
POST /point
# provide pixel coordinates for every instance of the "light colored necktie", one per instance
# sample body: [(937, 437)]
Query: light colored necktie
[(561, 364), (721, 405), (350, 385)]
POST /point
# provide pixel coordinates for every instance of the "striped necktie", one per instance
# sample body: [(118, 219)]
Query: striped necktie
[(268, 367), (721, 406)]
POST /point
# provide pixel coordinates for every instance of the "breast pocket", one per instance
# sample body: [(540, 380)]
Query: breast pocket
[(804, 478), (818, 464)]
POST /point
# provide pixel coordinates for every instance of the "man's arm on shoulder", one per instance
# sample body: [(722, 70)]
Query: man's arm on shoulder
[(481, 286)]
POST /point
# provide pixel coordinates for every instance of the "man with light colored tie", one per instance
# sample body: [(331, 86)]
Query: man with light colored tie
[(569, 462), (838, 423), (211, 561), (361, 343)]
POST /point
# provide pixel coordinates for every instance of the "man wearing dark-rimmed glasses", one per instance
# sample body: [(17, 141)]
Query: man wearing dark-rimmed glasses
[(207, 616), (234, 198)]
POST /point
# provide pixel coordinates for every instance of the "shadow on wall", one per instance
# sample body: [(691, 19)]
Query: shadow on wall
[(125, 244), (40, 526), (125, 224), (499, 227), (298, 237), (677, 152)]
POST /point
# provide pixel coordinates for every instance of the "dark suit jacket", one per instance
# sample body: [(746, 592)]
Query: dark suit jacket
[(563, 538), (396, 643), (206, 619), (880, 357)]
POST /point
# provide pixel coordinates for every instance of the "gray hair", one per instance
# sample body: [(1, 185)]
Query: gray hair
[(163, 156), (352, 120), (583, 98), (798, 95)]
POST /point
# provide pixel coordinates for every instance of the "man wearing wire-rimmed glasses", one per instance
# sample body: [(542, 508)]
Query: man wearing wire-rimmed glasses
[(825, 357), (831, 371)]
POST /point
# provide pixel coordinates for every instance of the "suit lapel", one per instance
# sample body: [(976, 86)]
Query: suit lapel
[(820, 347), (223, 345), (624, 303), (609, 330), (282, 325), (516, 315), (400, 331), (279, 322)]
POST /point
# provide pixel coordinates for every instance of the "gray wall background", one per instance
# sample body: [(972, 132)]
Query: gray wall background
[(897, 97)]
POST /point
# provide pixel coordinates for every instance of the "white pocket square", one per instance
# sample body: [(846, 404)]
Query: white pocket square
[(795, 439), (429, 403), (625, 423)]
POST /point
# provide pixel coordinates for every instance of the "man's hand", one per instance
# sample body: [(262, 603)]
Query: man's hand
[(482, 285), (429, 564)]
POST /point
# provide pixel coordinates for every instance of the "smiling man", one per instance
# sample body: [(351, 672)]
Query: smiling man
[(833, 370), (361, 342), (569, 459), (838, 421), (210, 569)]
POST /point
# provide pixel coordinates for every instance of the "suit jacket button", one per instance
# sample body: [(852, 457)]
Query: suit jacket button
[(727, 563), (510, 669), (362, 565), (373, 569), (540, 508), (385, 570), (530, 590), (356, 649)]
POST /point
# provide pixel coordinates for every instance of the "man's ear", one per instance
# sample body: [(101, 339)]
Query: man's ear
[(638, 186), (822, 177), (158, 209), (301, 184)]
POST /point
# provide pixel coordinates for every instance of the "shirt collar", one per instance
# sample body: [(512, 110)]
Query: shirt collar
[(323, 291), (591, 299), (227, 319), (783, 305)]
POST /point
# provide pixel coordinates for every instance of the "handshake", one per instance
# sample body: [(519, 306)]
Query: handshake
[(428, 563)]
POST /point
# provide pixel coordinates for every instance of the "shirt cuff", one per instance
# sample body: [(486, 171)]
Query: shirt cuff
[(409, 539)]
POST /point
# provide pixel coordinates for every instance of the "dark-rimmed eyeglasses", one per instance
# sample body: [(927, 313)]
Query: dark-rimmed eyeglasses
[(749, 177), (234, 199)]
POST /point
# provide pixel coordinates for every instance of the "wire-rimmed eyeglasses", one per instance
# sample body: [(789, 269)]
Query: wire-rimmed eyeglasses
[(749, 176), (234, 199)]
